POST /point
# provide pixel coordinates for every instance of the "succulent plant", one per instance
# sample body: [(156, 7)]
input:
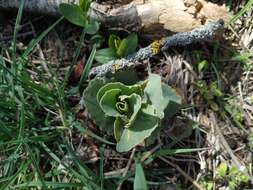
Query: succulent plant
[(130, 112)]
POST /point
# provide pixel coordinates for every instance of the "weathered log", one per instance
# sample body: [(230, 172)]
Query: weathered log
[(145, 15)]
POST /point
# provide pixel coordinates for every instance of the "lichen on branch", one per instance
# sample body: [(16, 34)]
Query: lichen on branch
[(201, 34)]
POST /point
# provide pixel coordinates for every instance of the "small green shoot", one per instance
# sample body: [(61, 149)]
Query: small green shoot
[(117, 48), (210, 93), (250, 141), (208, 185), (235, 111), (222, 169), (233, 176), (202, 63)]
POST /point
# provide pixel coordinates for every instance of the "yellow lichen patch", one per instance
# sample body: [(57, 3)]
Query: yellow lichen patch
[(156, 46), (251, 98), (116, 67)]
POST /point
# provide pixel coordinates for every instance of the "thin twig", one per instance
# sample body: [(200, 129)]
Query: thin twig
[(150, 152), (9, 38), (127, 168), (194, 182), (146, 156), (114, 172), (41, 54)]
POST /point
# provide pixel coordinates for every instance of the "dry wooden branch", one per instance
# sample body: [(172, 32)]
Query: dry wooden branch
[(150, 16), (201, 34)]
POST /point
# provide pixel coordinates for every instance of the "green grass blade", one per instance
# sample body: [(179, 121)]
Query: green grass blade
[(101, 166), (35, 164), (16, 29), (172, 152), (21, 122), (93, 135), (87, 67), (49, 184), (241, 12), (84, 170), (140, 182), (5, 130), (77, 53), (23, 167), (58, 160), (34, 42)]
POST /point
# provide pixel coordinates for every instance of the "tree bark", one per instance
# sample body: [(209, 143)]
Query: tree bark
[(149, 16)]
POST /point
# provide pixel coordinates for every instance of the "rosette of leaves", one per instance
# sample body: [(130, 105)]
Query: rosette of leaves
[(130, 112)]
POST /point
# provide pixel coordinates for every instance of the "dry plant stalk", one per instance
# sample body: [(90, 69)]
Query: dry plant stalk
[(145, 15)]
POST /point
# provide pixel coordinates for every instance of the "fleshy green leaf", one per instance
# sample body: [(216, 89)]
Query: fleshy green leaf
[(233, 170), (134, 102), (97, 40), (149, 109), (105, 55), (126, 90), (84, 5), (133, 112), (114, 42), (139, 179), (128, 45), (92, 27), (108, 102), (202, 65), (94, 109), (163, 97), (128, 77), (118, 128), (222, 169), (174, 100), (145, 123), (73, 14), (154, 94), (122, 107)]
